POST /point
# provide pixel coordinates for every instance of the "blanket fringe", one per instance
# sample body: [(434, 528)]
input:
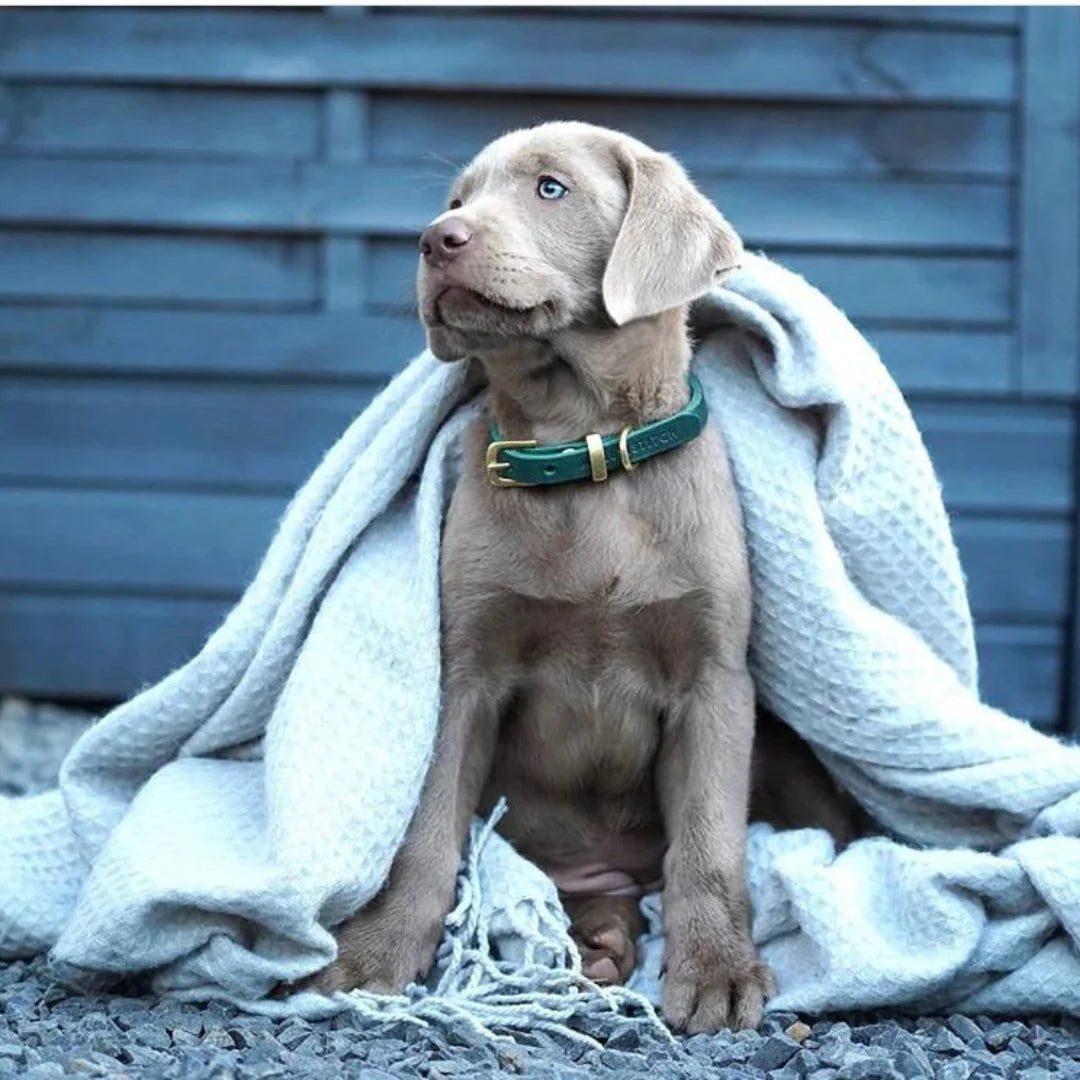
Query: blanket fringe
[(546, 991)]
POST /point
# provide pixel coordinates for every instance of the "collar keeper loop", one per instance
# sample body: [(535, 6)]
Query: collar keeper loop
[(597, 461)]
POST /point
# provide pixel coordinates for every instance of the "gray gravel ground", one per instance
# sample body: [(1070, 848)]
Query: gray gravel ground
[(44, 1033), (33, 741), (47, 1032)]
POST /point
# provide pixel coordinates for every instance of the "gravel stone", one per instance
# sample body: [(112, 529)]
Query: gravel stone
[(382, 1052), (998, 1036), (881, 1034), (775, 1023), (774, 1053), (187, 1018), (85, 1065), (152, 1035), (340, 1043), (407, 1031), (47, 1070), (623, 1061), (478, 1055), (219, 1038), (1021, 1049), (627, 1037), (913, 1063), (945, 1042), (147, 1057), (793, 1070), (1005, 1061), (33, 741), (265, 1053), (957, 1069), (105, 1044), (457, 1067), (20, 1008), (966, 1029), (835, 1046), (871, 1068), (510, 1060), (293, 1035)]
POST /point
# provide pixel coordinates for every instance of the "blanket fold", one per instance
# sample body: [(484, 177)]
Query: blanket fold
[(208, 831)]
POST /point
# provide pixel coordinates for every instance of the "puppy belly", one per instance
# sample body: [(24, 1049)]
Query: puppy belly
[(598, 879), (621, 866)]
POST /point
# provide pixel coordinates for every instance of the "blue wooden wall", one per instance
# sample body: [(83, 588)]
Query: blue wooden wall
[(207, 242)]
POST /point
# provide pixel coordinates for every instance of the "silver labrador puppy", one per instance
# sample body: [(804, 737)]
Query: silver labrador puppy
[(595, 630)]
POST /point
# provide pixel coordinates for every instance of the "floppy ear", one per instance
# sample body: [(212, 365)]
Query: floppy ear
[(672, 242)]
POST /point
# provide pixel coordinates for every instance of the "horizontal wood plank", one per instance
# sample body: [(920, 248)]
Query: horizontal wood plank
[(159, 120), (170, 434), (942, 361), (124, 642), (992, 456), (1021, 670), (215, 271), (309, 346), (993, 19), (210, 542), (175, 544), (967, 290), (1017, 568), (930, 289), (441, 132), (98, 647), (284, 196), (344, 344), (618, 54)]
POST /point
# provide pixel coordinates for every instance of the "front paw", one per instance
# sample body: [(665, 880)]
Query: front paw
[(381, 951), (713, 978)]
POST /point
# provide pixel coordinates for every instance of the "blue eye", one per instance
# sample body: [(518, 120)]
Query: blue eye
[(550, 188)]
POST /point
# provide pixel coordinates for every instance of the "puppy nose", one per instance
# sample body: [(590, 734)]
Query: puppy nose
[(443, 241)]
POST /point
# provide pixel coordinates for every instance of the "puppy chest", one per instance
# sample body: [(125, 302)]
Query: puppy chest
[(604, 649), (588, 747)]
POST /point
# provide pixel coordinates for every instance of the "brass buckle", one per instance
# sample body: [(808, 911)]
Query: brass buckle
[(493, 465)]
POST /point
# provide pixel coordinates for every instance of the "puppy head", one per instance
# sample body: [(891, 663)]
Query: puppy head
[(561, 225)]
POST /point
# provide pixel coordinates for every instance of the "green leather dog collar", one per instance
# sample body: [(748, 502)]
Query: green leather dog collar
[(522, 463)]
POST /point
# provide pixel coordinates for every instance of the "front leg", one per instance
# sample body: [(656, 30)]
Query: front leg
[(392, 942), (713, 978)]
